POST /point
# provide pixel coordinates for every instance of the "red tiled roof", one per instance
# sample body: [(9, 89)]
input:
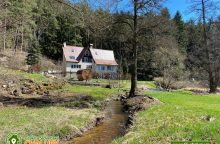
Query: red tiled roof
[(105, 62), (105, 57), (72, 51)]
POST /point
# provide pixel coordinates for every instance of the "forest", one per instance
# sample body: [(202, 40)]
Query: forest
[(148, 42)]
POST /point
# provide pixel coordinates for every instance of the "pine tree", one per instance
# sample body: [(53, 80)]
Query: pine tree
[(33, 53), (181, 35)]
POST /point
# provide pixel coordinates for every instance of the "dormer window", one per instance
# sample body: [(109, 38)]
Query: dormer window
[(72, 57)]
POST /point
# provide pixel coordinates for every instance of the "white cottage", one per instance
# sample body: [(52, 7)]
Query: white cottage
[(98, 60)]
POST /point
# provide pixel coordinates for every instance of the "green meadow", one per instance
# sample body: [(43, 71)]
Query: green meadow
[(182, 116)]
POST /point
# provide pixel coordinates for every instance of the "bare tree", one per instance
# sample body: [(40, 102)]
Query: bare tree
[(213, 43), (4, 19), (140, 9), (205, 10)]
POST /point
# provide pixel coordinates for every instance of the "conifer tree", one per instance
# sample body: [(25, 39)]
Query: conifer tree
[(33, 53), (181, 35)]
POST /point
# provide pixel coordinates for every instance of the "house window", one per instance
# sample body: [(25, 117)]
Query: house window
[(87, 59), (102, 68), (75, 66), (89, 67), (98, 67), (72, 50), (109, 68), (72, 57)]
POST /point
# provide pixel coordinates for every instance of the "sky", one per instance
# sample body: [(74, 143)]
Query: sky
[(124, 5), (172, 5), (181, 5)]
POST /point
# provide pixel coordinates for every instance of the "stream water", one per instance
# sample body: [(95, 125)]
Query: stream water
[(113, 127)]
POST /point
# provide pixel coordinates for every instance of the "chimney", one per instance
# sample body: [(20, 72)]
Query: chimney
[(64, 44), (90, 45)]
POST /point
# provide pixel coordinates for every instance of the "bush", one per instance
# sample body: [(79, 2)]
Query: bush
[(167, 83)]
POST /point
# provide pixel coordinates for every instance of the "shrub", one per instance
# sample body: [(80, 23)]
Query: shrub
[(168, 83)]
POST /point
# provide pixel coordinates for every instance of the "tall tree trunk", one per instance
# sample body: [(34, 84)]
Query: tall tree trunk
[(22, 37), (212, 80), (5, 31), (134, 50), (212, 85), (16, 40)]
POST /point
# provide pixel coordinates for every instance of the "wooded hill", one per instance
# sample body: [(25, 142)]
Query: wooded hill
[(166, 46)]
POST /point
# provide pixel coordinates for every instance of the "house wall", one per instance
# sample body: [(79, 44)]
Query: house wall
[(83, 65), (69, 67), (70, 70), (98, 69), (103, 74), (95, 68)]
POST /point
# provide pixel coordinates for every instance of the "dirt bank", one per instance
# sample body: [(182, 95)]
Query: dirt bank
[(63, 99), (79, 132), (135, 104), (16, 85)]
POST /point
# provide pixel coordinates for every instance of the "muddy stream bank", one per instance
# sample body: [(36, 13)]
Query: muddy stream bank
[(113, 126)]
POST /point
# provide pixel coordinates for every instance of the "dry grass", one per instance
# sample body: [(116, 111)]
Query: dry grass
[(12, 60)]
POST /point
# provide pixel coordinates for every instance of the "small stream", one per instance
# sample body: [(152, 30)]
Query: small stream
[(113, 127)]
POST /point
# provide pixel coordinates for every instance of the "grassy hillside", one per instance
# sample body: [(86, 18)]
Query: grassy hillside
[(183, 116), (38, 78), (56, 120)]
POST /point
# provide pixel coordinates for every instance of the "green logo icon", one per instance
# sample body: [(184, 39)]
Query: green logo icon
[(13, 139)]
